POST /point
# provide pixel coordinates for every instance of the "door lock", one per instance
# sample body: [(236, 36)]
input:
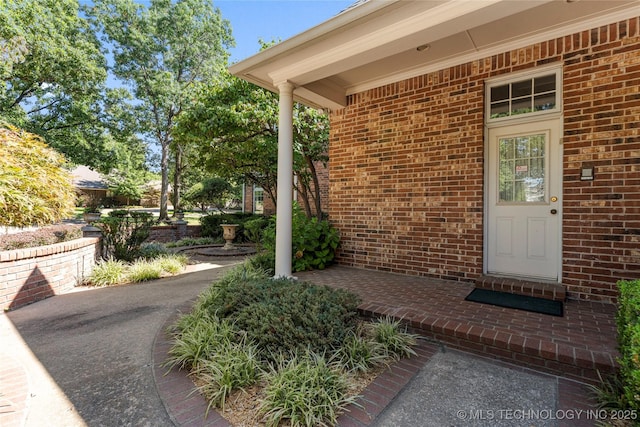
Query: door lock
[(554, 199)]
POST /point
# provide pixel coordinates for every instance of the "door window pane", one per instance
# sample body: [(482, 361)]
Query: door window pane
[(522, 169)]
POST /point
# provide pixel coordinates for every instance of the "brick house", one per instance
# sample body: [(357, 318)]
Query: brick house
[(474, 139), (256, 200)]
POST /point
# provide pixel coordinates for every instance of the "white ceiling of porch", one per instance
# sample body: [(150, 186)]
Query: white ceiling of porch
[(375, 43)]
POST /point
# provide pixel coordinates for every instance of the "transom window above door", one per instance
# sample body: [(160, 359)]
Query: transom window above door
[(523, 96)]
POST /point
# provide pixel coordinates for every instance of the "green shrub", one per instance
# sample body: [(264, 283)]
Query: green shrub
[(198, 336), (254, 229), (36, 189), (211, 224), (265, 261), (124, 231), (110, 272), (286, 315), (143, 270), (314, 242), (628, 322), (305, 392), (194, 241), (247, 323), (359, 353), (172, 264), (393, 337), (152, 250), (231, 366)]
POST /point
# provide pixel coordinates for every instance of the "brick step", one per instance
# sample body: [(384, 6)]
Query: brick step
[(537, 352), (550, 291)]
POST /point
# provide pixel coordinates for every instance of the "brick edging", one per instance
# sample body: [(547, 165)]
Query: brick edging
[(185, 406), (56, 248)]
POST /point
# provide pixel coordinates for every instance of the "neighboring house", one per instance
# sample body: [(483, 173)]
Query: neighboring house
[(90, 186), (256, 200), (473, 138)]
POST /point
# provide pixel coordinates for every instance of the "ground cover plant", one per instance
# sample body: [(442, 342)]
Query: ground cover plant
[(299, 347), (41, 237), (621, 392), (115, 272)]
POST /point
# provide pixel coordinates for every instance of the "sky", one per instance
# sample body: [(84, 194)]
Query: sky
[(273, 20)]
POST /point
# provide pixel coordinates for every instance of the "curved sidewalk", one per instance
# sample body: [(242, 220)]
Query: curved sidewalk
[(93, 358)]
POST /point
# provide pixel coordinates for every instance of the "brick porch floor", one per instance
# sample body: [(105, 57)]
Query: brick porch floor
[(576, 345)]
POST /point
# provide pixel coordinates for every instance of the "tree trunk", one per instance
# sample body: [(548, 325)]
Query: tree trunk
[(316, 187), (177, 178), (164, 186)]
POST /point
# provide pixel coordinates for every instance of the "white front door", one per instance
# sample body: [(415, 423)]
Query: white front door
[(524, 200)]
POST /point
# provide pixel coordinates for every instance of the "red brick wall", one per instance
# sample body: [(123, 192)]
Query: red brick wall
[(29, 275), (172, 233), (406, 171)]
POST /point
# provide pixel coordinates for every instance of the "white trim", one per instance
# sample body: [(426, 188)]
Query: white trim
[(518, 43), (517, 76)]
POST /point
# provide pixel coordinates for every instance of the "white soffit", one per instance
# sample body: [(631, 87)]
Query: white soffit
[(374, 44)]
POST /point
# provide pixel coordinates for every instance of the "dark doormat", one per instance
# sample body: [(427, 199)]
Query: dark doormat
[(520, 302)]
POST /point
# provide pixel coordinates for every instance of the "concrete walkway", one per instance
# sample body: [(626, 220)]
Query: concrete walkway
[(91, 358)]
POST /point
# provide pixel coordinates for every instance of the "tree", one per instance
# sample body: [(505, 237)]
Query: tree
[(162, 52), (212, 191), (52, 81), (235, 124), (35, 189)]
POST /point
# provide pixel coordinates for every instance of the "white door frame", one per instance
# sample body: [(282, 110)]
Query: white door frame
[(554, 189)]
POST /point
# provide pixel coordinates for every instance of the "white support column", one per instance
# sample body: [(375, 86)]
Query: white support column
[(285, 181)]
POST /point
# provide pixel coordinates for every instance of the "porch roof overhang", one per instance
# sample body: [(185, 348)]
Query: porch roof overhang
[(377, 42)]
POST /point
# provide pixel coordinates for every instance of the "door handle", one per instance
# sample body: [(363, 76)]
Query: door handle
[(554, 211)]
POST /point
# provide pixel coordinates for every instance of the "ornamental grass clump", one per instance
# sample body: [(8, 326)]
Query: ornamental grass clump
[(232, 366), (301, 345), (393, 337), (107, 273), (305, 391), (143, 270)]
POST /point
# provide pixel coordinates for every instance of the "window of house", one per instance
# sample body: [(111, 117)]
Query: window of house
[(258, 200), (533, 94)]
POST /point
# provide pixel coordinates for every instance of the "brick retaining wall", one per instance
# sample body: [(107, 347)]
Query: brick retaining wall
[(31, 274), (173, 232)]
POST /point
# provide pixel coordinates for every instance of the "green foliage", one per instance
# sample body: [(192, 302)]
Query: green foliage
[(54, 84), (232, 366), (198, 336), (285, 315), (254, 229), (192, 241), (628, 322), (305, 391), (163, 51), (114, 272), (127, 183), (34, 187), (395, 341), (246, 323), (359, 353), (152, 250), (211, 224), (212, 191), (107, 273), (144, 270), (41, 237), (235, 124), (314, 241), (124, 231), (265, 261), (172, 264)]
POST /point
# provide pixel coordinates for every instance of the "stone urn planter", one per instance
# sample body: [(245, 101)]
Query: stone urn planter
[(91, 217), (229, 233)]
